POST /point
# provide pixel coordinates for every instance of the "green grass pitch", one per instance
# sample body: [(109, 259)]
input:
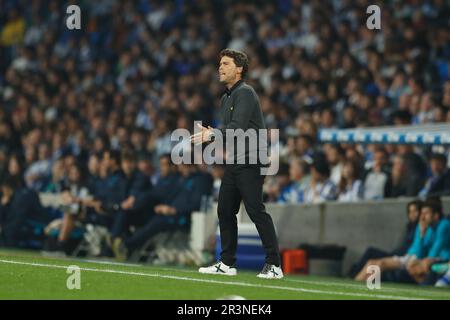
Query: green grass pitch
[(29, 275)]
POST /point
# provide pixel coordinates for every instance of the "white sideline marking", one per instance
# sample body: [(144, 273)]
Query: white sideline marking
[(113, 263), (243, 284), (361, 286), (425, 291)]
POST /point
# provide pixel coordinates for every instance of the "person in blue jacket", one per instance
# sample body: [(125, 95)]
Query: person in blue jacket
[(439, 246), (172, 216), (413, 209), (419, 249), (138, 207), (18, 206), (110, 190)]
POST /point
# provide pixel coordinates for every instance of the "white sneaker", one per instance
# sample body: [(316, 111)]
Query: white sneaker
[(271, 271), (219, 268), (444, 281)]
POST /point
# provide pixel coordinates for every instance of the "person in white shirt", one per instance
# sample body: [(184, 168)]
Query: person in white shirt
[(321, 188), (350, 187), (377, 183), (335, 157)]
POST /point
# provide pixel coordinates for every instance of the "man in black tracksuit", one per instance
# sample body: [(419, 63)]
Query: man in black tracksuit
[(242, 181)]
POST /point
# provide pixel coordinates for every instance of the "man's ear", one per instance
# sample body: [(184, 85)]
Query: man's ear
[(240, 69)]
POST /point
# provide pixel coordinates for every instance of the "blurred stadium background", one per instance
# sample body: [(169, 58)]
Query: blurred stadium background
[(86, 117)]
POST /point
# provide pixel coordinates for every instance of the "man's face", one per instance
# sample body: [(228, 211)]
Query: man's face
[(282, 180), (302, 145), (426, 215), (437, 167), (145, 166), (398, 165), (106, 162), (128, 166), (378, 158), (184, 169), (315, 175), (348, 171), (93, 164), (404, 149), (6, 190), (413, 213), (228, 71), (164, 167), (332, 155), (43, 152), (295, 171), (74, 174)]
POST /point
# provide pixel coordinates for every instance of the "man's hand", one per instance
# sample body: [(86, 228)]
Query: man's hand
[(202, 136), (418, 269), (89, 202), (6, 197), (165, 210), (128, 203), (97, 205), (67, 198), (428, 262)]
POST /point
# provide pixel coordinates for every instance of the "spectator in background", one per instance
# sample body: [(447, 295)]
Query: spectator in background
[(159, 142), (58, 178), (439, 251), (38, 173), (399, 179), (276, 185), (172, 216), (377, 184), (94, 178), (144, 165), (335, 156), (328, 118), (419, 248), (299, 180), (304, 146), (135, 181), (14, 30), (439, 182), (108, 191), (18, 205), (137, 209), (416, 169), (321, 188), (15, 170), (413, 209), (74, 194), (136, 185), (350, 187), (3, 163)]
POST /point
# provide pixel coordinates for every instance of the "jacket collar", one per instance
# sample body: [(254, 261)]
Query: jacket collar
[(228, 92)]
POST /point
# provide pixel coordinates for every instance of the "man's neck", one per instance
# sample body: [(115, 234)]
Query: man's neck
[(231, 84), (114, 170), (129, 173)]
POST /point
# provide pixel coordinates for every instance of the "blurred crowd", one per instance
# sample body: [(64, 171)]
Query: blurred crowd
[(139, 69)]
